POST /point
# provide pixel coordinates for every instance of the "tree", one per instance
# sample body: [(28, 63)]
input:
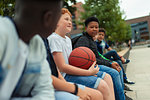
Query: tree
[(70, 8), (110, 16), (7, 7)]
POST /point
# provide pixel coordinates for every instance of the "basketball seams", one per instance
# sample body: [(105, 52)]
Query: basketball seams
[(85, 52), (84, 56)]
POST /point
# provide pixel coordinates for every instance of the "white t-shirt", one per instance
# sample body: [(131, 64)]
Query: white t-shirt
[(60, 44)]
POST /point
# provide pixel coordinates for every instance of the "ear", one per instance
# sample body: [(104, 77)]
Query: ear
[(47, 19)]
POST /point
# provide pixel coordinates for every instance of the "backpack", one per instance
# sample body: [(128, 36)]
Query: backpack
[(74, 40)]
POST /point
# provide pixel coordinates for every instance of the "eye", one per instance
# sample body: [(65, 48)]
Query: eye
[(66, 18)]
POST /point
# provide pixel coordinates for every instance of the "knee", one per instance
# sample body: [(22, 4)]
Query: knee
[(114, 51), (103, 87), (107, 76)]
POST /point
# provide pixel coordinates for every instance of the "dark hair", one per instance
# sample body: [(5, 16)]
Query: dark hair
[(90, 19), (102, 30)]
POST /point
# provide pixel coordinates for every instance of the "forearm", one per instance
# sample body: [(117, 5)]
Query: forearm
[(62, 85), (102, 61), (60, 76), (72, 70)]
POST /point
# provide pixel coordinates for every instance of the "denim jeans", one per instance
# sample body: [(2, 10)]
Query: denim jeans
[(89, 81), (112, 55), (62, 95), (118, 83)]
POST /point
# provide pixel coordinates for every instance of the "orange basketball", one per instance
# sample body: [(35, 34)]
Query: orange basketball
[(82, 57)]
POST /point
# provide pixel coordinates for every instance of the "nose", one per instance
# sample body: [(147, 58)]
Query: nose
[(70, 22)]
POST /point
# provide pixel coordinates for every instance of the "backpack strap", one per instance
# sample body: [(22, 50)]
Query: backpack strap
[(50, 59)]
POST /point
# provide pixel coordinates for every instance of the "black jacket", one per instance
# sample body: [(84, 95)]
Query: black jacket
[(87, 41)]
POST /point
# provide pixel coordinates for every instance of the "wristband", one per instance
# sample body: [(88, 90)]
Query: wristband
[(76, 89)]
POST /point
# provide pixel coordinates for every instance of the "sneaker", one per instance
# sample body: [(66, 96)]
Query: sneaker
[(127, 98), (127, 81), (126, 61), (127, 88)]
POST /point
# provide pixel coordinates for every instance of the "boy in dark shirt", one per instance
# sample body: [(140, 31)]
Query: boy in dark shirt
[(92, 28)]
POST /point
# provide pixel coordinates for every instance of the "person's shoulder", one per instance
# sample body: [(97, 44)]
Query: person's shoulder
[(83, 37), (7, 30), (36, 46), (4, 25), (53, 36)]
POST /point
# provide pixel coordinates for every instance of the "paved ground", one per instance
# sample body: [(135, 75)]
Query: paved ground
[(138, 70)]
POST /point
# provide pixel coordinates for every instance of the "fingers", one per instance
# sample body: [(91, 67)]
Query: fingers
[(88, 98), (97, 67), (118, 68), (94, 63), (95, 75)]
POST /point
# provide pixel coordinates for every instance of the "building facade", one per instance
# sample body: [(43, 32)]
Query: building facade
[(77, 29), (140, 28)]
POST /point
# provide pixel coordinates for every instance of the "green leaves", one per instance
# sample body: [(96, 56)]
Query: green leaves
[(110, 16), (7, 7)]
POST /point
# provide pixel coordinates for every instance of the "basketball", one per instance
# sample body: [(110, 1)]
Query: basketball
[(82, 57)]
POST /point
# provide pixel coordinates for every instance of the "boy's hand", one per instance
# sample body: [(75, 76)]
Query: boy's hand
[(84, 95), (94, 70), (116, 66)]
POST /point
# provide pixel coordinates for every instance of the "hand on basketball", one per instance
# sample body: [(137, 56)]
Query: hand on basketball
[(94, 70), (84, 95), (116, 66)]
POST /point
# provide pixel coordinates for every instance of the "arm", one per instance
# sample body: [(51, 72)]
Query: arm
[(60, 76), (69, 69), (63, 86), (102, 61), (109, 49), (43, 88)]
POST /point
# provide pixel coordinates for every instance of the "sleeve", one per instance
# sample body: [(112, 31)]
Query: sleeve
[(106, 46), (54, 44), (102, 61), (43, 89)]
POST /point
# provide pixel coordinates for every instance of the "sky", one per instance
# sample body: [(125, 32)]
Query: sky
[(133, 8)]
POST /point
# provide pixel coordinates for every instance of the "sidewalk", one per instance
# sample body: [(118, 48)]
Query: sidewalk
[(138, 70)]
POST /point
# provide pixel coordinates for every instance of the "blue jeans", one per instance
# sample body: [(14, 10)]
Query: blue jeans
[(112, 55), (62, 95), (118, 83), (89, 81)]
